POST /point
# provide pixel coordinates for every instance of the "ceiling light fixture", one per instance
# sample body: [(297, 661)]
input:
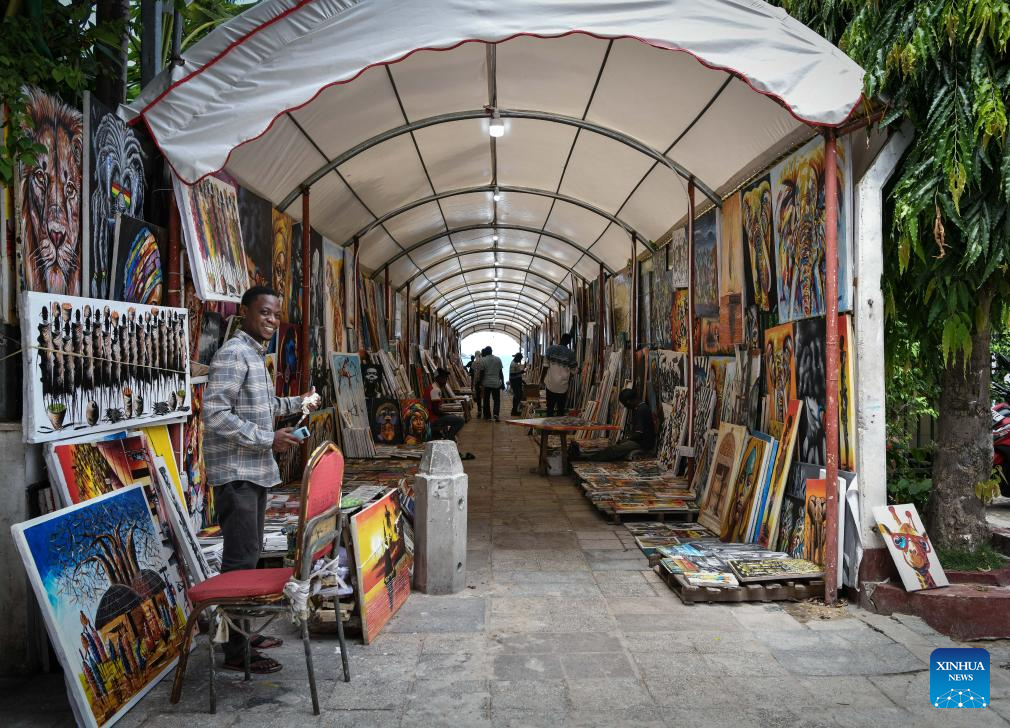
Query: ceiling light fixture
[(494, 238), (497, 195), (497, 126)]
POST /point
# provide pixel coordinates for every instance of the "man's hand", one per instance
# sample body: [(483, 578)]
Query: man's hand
[(284, 440), (310, 400)]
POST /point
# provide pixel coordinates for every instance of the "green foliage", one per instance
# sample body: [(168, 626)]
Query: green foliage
[(985, 558), (943, 65), (56, 51)]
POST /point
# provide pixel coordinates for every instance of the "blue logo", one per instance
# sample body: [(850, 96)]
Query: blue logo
[(959, 678)]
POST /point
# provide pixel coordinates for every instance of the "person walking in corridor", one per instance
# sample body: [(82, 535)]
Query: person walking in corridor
[(239, 407), (477, 377), (560, 365), (493, 381), (516, 371)]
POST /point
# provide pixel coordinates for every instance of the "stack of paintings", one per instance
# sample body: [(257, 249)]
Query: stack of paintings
[(352, 410)]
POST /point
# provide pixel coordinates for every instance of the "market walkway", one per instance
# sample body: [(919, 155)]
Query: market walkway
[(564, 624)]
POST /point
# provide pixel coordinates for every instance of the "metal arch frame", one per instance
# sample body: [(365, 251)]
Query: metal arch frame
[(547, 292), (486, 315), (508, 189), (513, 306), (490, 226), (519, 297), (456, 256), (521, 316), (547, 116), (492, 326), (463, 271)]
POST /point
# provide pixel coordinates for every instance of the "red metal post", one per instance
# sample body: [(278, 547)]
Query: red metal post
[(831, 365), (306, 281), (690, 317), (601, 319)]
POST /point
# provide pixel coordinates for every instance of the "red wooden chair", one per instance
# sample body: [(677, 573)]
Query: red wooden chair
[(262, 590)]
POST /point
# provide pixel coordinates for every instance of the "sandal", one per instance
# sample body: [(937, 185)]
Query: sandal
[(468, 456), (259, 664), (265, 642)]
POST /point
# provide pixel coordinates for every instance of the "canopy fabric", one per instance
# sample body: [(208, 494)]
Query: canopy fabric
[(380, 107)]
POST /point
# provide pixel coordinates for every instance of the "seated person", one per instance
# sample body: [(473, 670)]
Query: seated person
[(641, 440), (443, 426)]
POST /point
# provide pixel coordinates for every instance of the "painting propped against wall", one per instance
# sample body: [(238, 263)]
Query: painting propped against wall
[(210, 219), (385, 419), (798, 198), (49, 219), (94, 366), (333, 265), (139, 258), (846, 396), (112, 597), (780, 384), (759, 243), (706, 266), (383, 559), (350, 391), (910, 547), (118, 183), (722, 474), (810, 367)]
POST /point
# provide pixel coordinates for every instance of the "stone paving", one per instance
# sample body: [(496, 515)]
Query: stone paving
[(563, 624)]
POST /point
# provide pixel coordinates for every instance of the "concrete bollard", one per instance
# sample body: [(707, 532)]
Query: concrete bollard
[(440, 497)]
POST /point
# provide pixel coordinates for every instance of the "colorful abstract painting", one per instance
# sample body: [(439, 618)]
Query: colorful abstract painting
[(383, 560), (112, 597), (210, 219), (810, 391), (779, 364), (385, 419), (349, 391), (283, 235), (94, 366), (910, 547), (679, 320), (725, 464), (289, 354), (768, 530), (118, 184), (759, 243), (199, 495), (138, 262), (678, 258), (414, 416), (49, 219), (797, 187), (333, 266), (746, 485), (322, 428)]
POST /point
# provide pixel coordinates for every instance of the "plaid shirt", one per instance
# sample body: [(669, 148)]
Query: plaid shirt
[(239, 407)]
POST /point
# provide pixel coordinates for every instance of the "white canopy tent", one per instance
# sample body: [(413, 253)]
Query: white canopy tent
[(382, 109)]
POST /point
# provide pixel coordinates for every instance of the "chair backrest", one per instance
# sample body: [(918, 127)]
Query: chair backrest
[(319, 510)]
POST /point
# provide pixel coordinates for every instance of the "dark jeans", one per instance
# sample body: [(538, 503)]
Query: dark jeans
[(556, 403), (241, 506), (447, 426), (478, 396), (490, 394), (516, 385)]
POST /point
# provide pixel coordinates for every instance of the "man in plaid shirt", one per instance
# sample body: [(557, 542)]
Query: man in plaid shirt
[(239, 407)]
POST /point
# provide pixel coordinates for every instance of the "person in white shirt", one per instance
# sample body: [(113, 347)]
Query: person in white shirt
[(560, 365)]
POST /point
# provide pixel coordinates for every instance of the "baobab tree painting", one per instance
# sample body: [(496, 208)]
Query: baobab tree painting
[(92, 366), (112, 597)]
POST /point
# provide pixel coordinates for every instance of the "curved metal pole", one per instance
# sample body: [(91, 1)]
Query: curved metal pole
[(488, 226), (628, 227), (488, 316), (485, 299), (604, 131), (507, 328), (446, 295), (461, 272), (490, 306)]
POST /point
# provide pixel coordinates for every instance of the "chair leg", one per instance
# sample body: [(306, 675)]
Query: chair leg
[(211, 689), (309, 666), (247, 655), (340, 636), (180, 670)]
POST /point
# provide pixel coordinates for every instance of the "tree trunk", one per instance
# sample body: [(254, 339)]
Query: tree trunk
[(955, 517)]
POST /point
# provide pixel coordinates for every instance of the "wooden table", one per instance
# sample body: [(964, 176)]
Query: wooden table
[(562, 426)]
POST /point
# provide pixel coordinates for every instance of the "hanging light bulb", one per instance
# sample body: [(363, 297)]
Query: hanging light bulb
[(497, 126), (497, 195), (494, 238)]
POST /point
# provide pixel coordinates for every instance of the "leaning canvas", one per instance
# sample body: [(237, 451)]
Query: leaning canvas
[(350, 391), (910, 547), (722, 474), (210, 218), (92, 366), (384, 561), (112, 598)]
